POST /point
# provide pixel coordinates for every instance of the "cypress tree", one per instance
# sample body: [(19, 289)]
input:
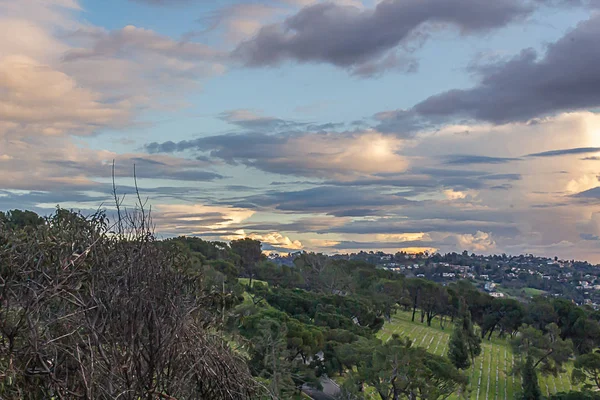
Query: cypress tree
[(472, 338), (531, 388), (458, 353)]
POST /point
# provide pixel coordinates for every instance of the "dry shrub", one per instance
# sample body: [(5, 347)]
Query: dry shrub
[(89, 313)]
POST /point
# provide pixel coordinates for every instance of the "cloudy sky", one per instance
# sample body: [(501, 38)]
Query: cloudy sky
[(328, 126)]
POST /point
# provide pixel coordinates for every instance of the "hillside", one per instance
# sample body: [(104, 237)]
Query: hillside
[(491, 378)]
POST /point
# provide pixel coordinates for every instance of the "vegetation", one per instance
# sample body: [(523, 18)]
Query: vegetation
[(88, 313), (531, 387), (93, 309)]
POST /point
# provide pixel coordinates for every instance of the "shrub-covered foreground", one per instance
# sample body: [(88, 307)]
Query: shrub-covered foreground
[(92, 311)]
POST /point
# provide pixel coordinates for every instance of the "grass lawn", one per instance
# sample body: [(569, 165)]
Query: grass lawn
[(533, 292), (490, 377), (246, 281)]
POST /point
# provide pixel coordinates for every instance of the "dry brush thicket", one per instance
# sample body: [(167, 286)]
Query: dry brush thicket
[(88, 313)]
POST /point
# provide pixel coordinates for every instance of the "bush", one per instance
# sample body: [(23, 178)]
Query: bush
[(92, 314)]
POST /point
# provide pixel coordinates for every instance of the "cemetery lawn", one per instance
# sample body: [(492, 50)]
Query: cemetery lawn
[(490, 377)]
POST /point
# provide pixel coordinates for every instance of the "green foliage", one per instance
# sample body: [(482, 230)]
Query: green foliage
[(250, 254), (19, 219), (277, 275), (204, 250), (397, 369), (472, 340), (302, 341), (540, 313), (458, 352), (575, 396), (270, 360), (333, 311), (587, 371), (548, 351), (531, 388), (505, 315)]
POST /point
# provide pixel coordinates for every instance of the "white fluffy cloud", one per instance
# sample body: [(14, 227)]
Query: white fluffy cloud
[(197, 218), (480, 242), (36, 99)]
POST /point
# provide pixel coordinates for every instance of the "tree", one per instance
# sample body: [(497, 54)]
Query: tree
[(414, 287), (506, 314), (433, 300), (18, 219), (458, 352), (302, 341), (531, 388), (585, 334), (250, 254), (311, 265), (587, 371), (464, 343), (473, 341), (271, 359), (540, 313), (396, 369), (575, 396), (546, 352)]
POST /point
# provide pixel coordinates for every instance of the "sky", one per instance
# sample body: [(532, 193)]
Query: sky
[(328, 126)]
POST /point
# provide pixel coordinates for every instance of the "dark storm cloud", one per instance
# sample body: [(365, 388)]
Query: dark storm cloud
[(403, 123), (440, 211), (253, 149), (354, 245), (145, 168), (33, 200), (508, 177), (589, 236), (232, 148), (311, 224), (427, 180), (448, 172), (563, 152), (473, 159), (286, 153), (358, 212), (504, 186), (228, 147), (400, 226), (357, 39), (327, 199), (408, 180), (246, 120), (566, 78), (593, 193)]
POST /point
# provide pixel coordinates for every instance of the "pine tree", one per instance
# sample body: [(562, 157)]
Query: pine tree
[(458, 352), (531, 388)]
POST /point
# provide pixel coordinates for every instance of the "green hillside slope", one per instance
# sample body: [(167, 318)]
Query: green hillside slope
[(490, 378)]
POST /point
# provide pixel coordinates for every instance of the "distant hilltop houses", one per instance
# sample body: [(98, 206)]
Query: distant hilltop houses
[(520, 277)]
